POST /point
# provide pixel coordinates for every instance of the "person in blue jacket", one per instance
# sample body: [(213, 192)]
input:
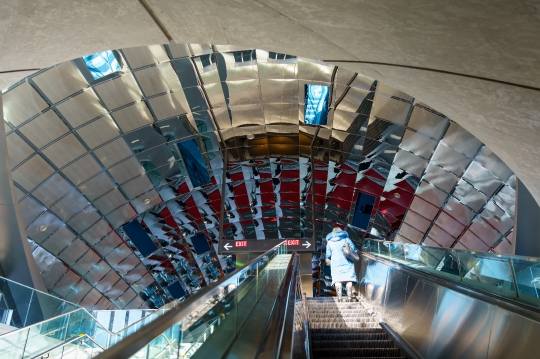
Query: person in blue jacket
[(342, 269)]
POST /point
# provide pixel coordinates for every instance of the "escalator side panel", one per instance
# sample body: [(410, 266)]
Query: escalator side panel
[(439, 321)]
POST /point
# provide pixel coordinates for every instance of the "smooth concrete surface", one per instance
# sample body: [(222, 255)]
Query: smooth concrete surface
[(16, 258), (494, 39)]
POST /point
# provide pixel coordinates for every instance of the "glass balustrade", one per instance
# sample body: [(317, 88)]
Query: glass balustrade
[(513, 277), (226, 310)]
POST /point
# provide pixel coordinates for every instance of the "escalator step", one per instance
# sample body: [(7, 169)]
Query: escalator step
[(356, 352), (348, 336), (397, 357), (316, 331), (353, 344), (336, 325)]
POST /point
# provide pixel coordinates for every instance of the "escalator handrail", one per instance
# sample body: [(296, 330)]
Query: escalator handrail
[(276, 329), (130, 345)]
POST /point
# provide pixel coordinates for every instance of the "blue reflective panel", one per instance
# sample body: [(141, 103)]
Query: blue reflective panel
[(140, 238), (195, 165), (200, 243), (362, 212), (316, 104), (176, 290), (101, 63)]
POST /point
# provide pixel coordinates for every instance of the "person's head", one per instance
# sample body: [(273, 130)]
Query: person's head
[(336, 229)]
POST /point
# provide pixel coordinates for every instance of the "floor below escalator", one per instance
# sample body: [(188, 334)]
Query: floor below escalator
[(347, 330)]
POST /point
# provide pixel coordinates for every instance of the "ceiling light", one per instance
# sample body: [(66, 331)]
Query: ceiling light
[(134, 141), (42, 228), (146, 201), (250, 137), (397, 195), (497, 218)]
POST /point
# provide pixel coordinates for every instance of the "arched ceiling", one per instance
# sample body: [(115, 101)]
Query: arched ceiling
[(474, 44), (118, 161)]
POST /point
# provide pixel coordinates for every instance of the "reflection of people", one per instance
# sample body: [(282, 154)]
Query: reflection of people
[(342, 269), (366, 209)]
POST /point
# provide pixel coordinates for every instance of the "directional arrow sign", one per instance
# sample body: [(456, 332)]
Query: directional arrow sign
[(307, 244), (227, 246)]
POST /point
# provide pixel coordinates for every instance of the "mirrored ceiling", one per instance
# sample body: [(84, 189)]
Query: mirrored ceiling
[(121, 159)]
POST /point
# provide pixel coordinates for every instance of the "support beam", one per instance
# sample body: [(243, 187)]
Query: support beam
[(223, 190), (16, 258), (526, 234), (312, 159)]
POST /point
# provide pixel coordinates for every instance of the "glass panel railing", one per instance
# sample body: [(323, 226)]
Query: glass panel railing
[(22, 306), (227, 309), (513, 277)]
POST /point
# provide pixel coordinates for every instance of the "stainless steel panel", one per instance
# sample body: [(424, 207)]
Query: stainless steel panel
[(64, 150), (440, 178), (431, 194), (513, 336), (417, 221), (424, 208), (81, 170), (492, 162), (427, 122), (169, 105), (470, 241), (459, 211), (126, 170), (158, 79), (98, 132), (22, 103), (30, 209), (506, 199), (469, 196), (60, 81), (390, 109), (450, 159), (32, 172), (410, 163), (81, 108), (484, 231), (18, 149), (97, 186), (50, 191), (110, 201), (461, 140), (44, 129), (394, 304), (412, 234), (440, 236), (461, 326), (95, 233), (418, 315), (132, 117), (113, 152), (418, 144), (119, 91), (481, 179), (449, 224), (145, 55)]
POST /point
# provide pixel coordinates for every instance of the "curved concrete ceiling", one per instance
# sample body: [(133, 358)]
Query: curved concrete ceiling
[(488, 51)]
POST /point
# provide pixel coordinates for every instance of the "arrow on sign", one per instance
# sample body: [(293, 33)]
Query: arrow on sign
[(227, 246), (307, 244)]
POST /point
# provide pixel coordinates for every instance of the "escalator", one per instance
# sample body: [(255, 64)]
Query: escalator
[(412, 302), (347, 330)]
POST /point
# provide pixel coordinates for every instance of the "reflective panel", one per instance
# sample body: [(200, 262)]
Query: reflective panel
[(135, 138)]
